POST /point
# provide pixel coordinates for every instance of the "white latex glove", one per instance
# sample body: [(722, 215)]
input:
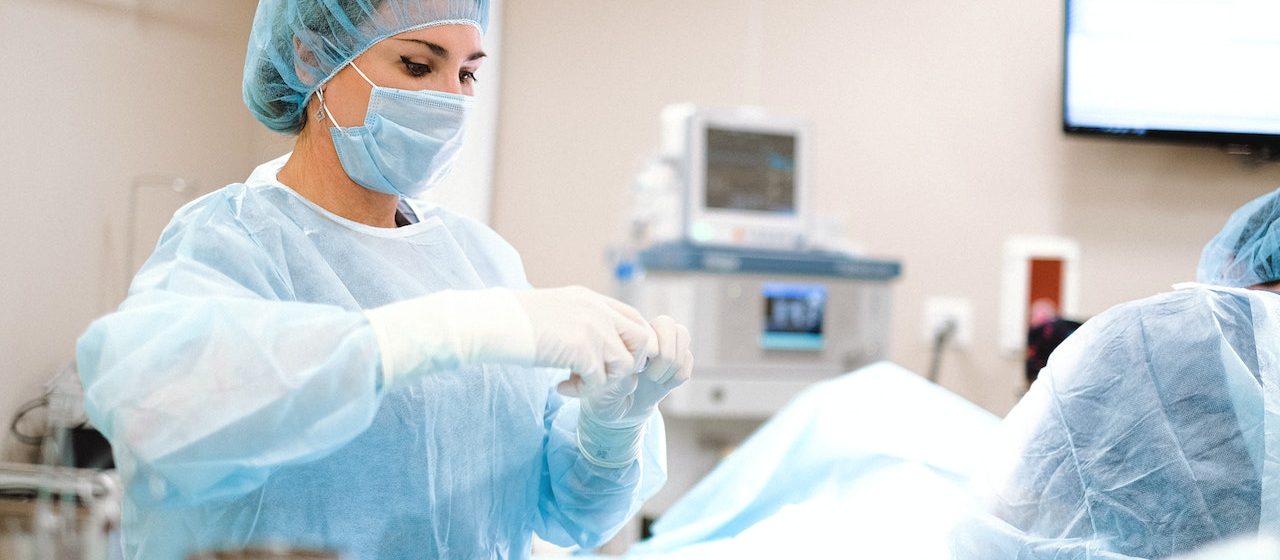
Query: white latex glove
[(613, 415), (587, 333), (570, 328)]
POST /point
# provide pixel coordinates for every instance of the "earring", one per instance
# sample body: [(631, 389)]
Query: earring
[(320, 112)]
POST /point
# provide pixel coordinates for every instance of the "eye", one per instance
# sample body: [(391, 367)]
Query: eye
[(468, 77), (416, 70)]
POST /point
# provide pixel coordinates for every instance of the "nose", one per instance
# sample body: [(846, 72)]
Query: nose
[(452, 86)]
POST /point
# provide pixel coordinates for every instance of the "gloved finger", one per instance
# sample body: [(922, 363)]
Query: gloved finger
[(637, 338), (659, 371), (683, 340), (570, 387), (618, 360), (637, 332), (625, 310), (684, 373), (664, 365), (685, 361), (686, 367), (589, 364)]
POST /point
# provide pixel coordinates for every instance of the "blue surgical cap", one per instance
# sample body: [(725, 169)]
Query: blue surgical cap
[(297, 45), (1247, 250)]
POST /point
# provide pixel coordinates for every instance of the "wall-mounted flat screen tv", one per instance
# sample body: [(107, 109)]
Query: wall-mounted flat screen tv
[(1185, 70)]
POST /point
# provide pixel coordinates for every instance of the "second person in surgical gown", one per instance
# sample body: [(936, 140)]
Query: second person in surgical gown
[(313, 358), (1155, 428)]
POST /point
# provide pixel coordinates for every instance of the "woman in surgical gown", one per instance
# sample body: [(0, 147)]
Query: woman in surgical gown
[(1155, 428), (312, 358)]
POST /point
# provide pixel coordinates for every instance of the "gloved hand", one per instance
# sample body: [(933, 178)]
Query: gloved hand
[(571, 328), (587, 333), (613, 414)]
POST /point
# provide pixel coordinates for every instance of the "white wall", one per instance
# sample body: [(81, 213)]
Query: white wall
[(96, 94), (937, 135)]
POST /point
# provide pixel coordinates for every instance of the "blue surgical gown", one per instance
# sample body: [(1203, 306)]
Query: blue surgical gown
[(1153, 431), (239, 386)]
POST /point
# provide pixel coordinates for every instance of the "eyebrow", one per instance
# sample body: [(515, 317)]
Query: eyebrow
[(443, 52)]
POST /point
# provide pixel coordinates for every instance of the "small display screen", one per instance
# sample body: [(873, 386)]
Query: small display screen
[(751, 171), (793, 316)]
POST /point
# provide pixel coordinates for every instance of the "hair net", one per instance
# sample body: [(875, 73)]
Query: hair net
[(297, 45), (1247, 250)]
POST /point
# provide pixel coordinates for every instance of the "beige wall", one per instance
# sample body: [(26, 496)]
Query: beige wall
[(937, 138), (936, 135), (96, 94)]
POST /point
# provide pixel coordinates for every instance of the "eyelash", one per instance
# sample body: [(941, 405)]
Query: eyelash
[(416, 70), (419, 70)]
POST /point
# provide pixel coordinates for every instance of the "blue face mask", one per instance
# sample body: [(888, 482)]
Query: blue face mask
[(409, 140)]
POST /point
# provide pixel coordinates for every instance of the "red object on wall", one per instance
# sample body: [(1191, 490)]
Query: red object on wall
[(1046, 283)]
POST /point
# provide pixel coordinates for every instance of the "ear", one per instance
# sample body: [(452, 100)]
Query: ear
[(304, 64), (304, 61)]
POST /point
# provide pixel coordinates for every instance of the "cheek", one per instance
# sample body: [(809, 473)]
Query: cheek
[(348, 105)]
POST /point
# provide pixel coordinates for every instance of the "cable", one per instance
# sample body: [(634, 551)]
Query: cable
[(22, 412), (940, 340)]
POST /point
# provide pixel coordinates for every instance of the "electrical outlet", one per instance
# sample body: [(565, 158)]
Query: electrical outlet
[(939, 310)]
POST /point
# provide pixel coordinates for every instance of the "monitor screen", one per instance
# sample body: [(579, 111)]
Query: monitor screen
[(793, 316), (1172, 68), (750, 171)]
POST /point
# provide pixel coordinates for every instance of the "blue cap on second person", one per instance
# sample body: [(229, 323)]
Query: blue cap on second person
[(1247, 250)]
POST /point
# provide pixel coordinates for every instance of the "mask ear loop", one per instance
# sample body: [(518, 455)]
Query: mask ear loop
[(361, 73), (324, 108), (324, 111)]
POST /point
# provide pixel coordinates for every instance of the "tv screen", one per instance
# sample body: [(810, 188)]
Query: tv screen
[(1195, 70)]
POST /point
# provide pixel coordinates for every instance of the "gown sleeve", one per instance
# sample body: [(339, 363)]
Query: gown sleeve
[(208, 377), (583, 504)]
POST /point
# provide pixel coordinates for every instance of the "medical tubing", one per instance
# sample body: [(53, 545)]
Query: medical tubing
[(449, 330), (23, 411), (610, 447)]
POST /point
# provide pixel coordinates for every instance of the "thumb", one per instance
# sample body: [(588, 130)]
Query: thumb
[(570, 387)]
